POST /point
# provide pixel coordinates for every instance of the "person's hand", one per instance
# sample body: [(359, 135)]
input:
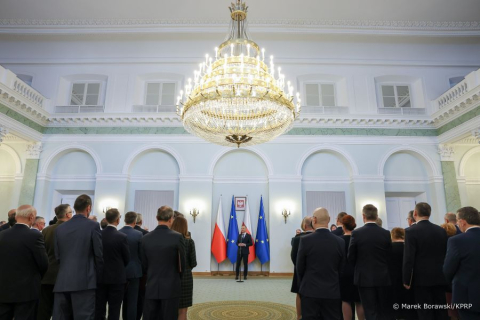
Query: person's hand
[(145, 228), (406, 287)]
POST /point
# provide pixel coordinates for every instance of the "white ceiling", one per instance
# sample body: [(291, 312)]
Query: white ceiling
[(384, 10), (459, 15)]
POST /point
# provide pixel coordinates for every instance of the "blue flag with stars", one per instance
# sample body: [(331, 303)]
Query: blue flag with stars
[(232, 235), (262, 247)]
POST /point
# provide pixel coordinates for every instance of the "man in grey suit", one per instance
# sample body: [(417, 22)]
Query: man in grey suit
[(134, 267), (79, 251), (163, 258)]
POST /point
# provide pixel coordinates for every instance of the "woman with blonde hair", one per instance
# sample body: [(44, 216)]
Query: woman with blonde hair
[(181, 226)]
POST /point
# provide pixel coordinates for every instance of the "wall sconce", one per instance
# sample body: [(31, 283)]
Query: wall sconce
[(285, 214), (105, 209), (194, 213)]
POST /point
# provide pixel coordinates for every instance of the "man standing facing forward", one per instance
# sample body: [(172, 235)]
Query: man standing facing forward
[(244, 241)]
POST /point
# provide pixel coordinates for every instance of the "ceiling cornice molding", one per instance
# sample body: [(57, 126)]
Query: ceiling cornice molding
[(82, 26)]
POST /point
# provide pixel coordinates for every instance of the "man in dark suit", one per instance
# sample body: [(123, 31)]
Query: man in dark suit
[(462, 263), (24, 262), (143, 280), (134, 267), (11, 220), (450, 217), (369, 251), (244, 241), (45, 306), (138, 225), (79, 251), (423, 257), (308, 227), (116, 256), (318, 277), (39, 224), (163, 259), (410, 219), (339, 230)]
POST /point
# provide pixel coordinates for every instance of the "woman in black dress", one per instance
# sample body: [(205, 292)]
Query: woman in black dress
[(180, 225), (400, 295), (349, 291)]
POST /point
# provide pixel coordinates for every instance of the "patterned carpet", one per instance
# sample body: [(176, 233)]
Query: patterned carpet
[(253, 310)]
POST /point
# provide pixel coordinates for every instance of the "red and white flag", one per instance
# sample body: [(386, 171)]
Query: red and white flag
[(219, 244), (248, 224)]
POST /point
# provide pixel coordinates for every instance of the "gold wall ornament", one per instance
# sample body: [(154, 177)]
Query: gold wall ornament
[(235, 99), (194, 213), (285, 214)]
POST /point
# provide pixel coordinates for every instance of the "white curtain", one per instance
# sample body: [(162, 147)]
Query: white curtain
[(147, 203), (333, 201)]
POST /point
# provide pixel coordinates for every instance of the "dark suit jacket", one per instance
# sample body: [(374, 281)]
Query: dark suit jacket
[(143, 231), (79, 251), (369, 252), (424, 254), (296, 245), (24, 261), (116, 256), (163, 259), (6, 226), (247, 240), (318, 276), (461, 267), (49, 234), (458, 230), (134, 238), (338, 231)]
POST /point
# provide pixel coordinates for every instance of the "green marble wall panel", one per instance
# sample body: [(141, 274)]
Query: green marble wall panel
[(116, 130), (362, 132), (458, 121), (452, 194), (27, 192), (20, 118)]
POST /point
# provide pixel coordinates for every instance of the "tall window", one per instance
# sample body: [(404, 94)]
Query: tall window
[(162, 94), (320, 94), (396, 96), (85, 94)]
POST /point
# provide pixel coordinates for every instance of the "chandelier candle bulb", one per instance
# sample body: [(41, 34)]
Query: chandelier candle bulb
[(216, 53), (263, 54)]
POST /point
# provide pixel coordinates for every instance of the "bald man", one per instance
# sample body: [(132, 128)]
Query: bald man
[(318, 277), (11, 220), (25, 266)]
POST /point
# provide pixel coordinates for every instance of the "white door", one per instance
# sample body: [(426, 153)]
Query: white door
[(397, 211)]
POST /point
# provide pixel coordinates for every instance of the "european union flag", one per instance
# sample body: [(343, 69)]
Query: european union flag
[(262, 247), (232, 236)]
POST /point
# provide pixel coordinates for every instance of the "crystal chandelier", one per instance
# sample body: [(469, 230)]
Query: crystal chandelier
[(235, 98)]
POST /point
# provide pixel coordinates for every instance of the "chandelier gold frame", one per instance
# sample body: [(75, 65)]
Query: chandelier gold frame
[(235, 98)]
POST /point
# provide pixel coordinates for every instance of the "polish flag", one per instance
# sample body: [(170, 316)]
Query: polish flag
[(219, 244), (248, 223)]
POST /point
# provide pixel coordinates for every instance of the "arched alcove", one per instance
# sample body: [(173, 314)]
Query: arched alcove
[(73, 163), (153, 181), (409, 179), (67, 173), (326, 182), (240, 173)]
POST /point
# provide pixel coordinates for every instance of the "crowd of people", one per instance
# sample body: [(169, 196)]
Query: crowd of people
[(425, 272), (75, 267)]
